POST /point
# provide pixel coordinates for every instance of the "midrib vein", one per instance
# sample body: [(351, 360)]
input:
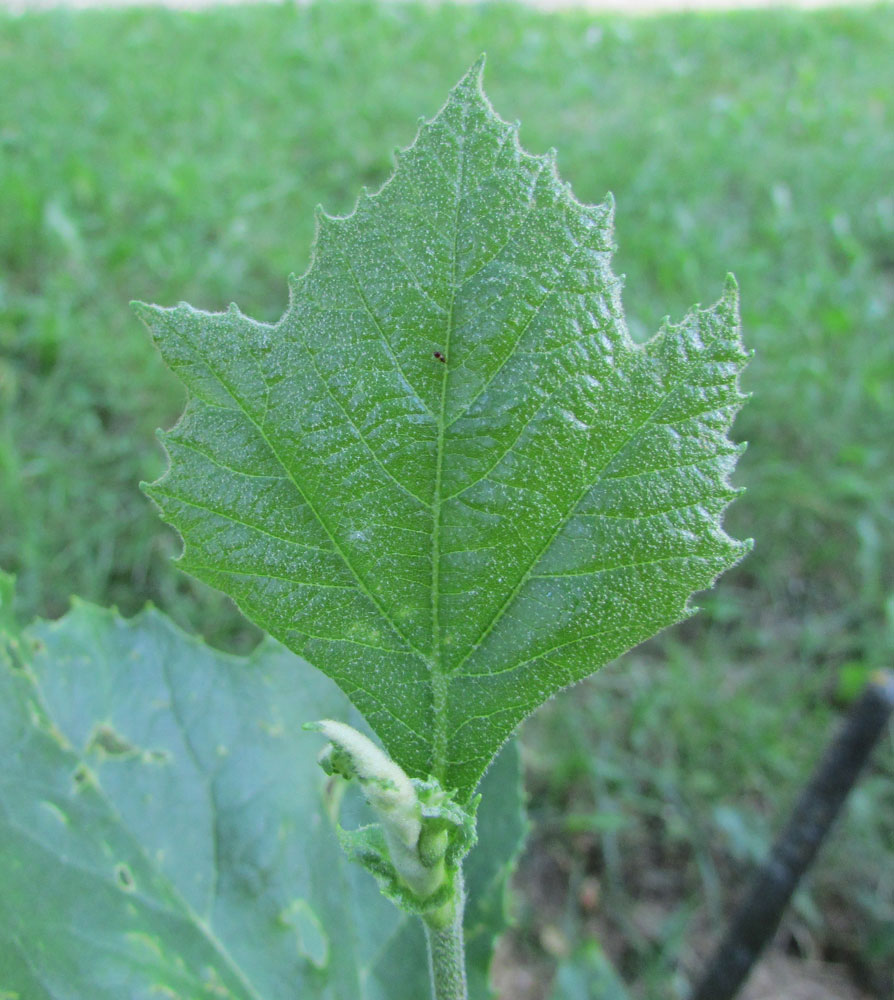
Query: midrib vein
[(438, 678)]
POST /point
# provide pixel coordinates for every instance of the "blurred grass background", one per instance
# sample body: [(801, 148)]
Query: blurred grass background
[(174, 156)]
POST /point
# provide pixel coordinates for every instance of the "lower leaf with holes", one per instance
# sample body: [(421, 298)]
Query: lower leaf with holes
[(165, 832)]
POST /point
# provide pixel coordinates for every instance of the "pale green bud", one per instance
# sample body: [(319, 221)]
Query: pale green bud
[(391, 794)]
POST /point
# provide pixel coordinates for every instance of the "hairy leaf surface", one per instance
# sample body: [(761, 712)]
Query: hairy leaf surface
[(447, 477), (166, 832)]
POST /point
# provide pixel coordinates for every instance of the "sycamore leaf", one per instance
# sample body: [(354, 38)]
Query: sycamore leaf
[(165, 830), (447, 477)]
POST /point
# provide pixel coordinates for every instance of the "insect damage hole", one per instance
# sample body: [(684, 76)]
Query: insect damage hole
[(124, 877), (82, 778), (110, 743)]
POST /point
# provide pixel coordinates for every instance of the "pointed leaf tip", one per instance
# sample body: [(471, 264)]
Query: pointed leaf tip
[(142, 310), (472, 81), (730, 296)]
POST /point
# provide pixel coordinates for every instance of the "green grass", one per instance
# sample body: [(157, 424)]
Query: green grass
[(168, 156), (669, 775)]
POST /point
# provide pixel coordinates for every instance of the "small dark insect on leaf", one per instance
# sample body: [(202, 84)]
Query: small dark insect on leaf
[(440, 357)]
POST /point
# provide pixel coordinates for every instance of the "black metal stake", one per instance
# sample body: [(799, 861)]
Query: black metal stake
[(772, 888)]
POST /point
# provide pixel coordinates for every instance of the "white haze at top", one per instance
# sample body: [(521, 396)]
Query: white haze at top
[(617, 6)]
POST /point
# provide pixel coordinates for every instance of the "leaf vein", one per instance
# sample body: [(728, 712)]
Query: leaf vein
[(317, 515), (265, 575), (236, 520), (390, 476), (516, 229), (551, 290), (560, 524), (385, 340)]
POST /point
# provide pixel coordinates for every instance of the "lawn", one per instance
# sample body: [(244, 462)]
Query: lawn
[(175, 156)]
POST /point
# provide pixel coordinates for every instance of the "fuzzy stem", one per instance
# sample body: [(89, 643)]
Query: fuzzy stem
[(446, 949)]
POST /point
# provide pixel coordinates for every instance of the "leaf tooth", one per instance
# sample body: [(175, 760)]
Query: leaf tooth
[(551, 165), (474, 76), (514, 131), (322, 218)]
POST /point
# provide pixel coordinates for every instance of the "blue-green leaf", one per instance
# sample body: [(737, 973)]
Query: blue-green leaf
[(165, 831)]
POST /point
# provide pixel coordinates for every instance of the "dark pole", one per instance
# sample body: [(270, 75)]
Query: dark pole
[(772, 888)]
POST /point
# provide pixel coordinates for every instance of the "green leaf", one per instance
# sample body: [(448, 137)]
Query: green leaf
[(447, 476), (165, 830), (588, 975), (7, 599)]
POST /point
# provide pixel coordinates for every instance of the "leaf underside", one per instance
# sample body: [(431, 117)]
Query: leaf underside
[(165, 831), (447, 477)]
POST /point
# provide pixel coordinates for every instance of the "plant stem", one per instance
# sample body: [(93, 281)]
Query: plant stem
[(446, 950)]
